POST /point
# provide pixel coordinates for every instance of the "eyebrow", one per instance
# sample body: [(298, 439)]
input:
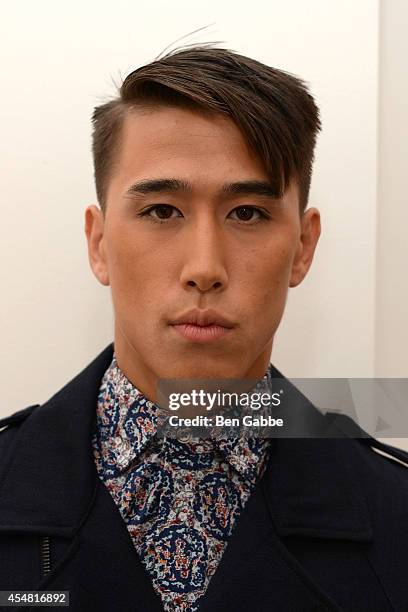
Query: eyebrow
[(173, 185)]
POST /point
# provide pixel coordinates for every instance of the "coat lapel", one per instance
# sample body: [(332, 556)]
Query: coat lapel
[(101, 569), (50, 486), (308, 490)]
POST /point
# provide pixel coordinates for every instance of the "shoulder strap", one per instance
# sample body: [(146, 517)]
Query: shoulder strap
[(18, 416), (387, 448), (350, 428)]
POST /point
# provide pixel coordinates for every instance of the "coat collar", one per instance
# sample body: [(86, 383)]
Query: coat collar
[(49, 479)]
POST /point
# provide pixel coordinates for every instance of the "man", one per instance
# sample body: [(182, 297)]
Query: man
[(202, 168)]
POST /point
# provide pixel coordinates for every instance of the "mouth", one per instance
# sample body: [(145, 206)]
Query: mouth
[(202, 325), (201, 333)]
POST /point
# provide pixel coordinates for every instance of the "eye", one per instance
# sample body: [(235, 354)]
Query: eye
[(163, 212), (245, 214), (249, 215)]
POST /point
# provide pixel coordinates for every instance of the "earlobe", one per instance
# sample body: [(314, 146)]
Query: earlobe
[(310, 233), (297, 273), (94, 230)]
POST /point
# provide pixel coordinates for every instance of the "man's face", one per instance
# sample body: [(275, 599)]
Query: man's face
[(200, 243)]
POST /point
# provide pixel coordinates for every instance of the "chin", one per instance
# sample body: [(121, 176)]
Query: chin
[(205, 368)]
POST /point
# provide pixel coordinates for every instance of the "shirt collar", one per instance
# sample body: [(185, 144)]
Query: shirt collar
[(127, 421)]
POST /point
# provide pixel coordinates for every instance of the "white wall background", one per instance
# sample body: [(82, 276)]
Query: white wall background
[(391, 348), (58, 61)]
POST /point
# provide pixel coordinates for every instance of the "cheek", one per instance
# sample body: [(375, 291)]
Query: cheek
[(268, 269), (133, 274), (267, 272)]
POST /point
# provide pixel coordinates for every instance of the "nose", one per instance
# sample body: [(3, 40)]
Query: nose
[(203, 258)]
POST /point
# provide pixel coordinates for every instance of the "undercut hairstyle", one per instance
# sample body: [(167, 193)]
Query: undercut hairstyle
[(272, 108)]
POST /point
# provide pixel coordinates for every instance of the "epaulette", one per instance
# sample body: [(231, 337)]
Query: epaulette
[(17, 417), (387, 449), (351, 429)]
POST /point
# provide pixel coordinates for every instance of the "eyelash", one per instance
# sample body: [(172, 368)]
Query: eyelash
[(263, 215)]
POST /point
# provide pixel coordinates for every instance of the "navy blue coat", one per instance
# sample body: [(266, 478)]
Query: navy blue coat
[(325, 529)]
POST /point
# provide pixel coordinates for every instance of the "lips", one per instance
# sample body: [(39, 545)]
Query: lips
[(203, 318), (201, 333), (202, 325)]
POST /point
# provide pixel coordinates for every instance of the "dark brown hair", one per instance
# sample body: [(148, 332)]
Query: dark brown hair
[(272, 108)]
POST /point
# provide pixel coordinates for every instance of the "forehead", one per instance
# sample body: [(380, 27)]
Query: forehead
[(173, 140)]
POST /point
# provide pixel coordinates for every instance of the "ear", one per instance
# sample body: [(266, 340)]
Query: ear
[(309, 236), (94, 230)]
